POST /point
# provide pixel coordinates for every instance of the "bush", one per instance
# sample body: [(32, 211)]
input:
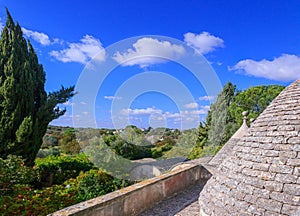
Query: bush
[(13, 171), (18, 197), (26, 201), (49, 141), (42, 153), (62, 167), (96, 183)]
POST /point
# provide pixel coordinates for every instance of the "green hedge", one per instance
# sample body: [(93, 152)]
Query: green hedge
[(21, 198), (62, 167)]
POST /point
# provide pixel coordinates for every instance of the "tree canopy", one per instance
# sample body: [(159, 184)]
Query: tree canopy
[(25, 108), (225, 115)]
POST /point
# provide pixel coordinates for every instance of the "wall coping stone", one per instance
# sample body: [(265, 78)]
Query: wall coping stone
[(141, 196)]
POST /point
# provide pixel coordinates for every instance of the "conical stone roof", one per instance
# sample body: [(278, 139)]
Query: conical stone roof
[(261, 176)]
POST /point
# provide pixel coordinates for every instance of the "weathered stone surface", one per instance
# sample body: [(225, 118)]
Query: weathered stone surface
[(286, 178), (293, 189), (281, 169), (293, 162), (288, 154), (261, 174), (289, 209), (273, 186), (269, 204)]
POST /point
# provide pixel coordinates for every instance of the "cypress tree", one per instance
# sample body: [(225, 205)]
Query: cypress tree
[(218, 115), (25, 108)]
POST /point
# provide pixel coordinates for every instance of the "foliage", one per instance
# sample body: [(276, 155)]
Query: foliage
[(96, 183), (130, 151), (19, 197), (49, 141), (254, 100), (26, 201), (62, 167), (135, 136), (69, 143), (13, 171), (105, 157), (228, 109), (197, 150), (218, 112), (162, 146), (25, 108), (184, 144), (42, 153)]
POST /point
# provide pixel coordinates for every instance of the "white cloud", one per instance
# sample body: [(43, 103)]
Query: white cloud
[(207, 98), (171, 115), (283, 68), (201, 111), (39, 37), (81, 52), (112, 97), (68, 103), (191, 106), (147, 51), (204, 42), (153, 111), (141, 112), (192, 116)]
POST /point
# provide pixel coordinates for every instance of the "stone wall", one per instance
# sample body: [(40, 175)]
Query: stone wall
[(137, 198)]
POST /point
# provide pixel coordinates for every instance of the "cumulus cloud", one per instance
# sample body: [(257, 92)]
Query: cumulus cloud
[(202, 110), (147, 51), (141, 112), (81, 52), (155, 114), (153, 111), (112, 97), (283, 68), (191, 106), (207, 98), (39, 37), (203, 42)]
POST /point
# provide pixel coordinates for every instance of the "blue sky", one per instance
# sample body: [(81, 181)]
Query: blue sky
[(249, 43)]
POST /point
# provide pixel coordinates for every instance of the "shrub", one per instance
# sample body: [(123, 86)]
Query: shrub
[(62, 167), (49, 141), (42, 153), (26, 201), (96, 182), (13, 171), (19, 197)]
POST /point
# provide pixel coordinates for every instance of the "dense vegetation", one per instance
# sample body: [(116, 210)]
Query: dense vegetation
[(23, 190), (25, 108), (43, 169), (225, 115)]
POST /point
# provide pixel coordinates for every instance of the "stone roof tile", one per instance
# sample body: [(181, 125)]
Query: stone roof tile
[(261, 176)]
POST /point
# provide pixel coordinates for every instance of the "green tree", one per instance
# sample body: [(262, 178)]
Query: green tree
[(225, 116), (254, 100), (196, 152), (25, 108), (69, 143), (218, 115)]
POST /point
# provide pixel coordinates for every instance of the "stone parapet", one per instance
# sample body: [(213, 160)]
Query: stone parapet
[(136, 198)]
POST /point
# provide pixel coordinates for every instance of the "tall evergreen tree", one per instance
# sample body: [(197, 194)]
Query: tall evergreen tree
[(218, 115), (25, 108)]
